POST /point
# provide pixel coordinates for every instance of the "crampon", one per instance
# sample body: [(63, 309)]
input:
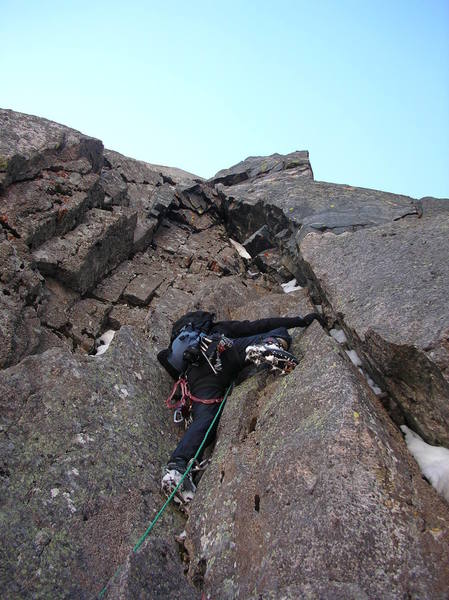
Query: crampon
[(271, 354)]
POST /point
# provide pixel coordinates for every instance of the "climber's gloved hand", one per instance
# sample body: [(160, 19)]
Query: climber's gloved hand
[(312, 317)]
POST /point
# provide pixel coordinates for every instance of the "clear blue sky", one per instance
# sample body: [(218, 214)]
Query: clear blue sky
[(200, 85)]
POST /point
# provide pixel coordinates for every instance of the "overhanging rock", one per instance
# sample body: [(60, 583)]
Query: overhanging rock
[(285, 199)]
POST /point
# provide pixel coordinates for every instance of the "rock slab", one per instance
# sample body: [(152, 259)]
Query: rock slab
[(312, 494), (389, 286)]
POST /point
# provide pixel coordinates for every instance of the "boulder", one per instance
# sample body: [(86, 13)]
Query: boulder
[(85, 255), (311, 493), (389, 286), (83, 440)]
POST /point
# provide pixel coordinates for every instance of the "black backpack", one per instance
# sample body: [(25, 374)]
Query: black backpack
[(199, 320), (185, 335)]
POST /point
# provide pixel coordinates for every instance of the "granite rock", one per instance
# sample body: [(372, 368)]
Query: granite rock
[(30, 144), (311, 493), (256, 167), (389, 286), (83, 440), (84, 256)]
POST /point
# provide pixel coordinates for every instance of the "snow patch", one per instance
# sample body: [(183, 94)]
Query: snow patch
[(104, 342), (376, 389), (354, 357), (432, 460), (54, 492), (339, 335), (240, 249), (290, 286)]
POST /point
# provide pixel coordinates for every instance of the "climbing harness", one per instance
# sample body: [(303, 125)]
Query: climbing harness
[(170, 498), (183, 405)]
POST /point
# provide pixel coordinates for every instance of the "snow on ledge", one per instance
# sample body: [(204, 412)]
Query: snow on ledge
[(432, 460), (104, 342), (240, 249), (290, 286)]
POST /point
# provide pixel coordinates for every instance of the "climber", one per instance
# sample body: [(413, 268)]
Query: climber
[(217, 355)]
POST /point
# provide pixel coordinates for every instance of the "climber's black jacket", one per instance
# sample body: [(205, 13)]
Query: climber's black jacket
[(235, 358), (205, 384)]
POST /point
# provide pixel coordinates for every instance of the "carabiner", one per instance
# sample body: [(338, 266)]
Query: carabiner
[(177, 416)]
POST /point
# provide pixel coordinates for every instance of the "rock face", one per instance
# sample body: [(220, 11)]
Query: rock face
[(255, 167), (390, 286), (83, 440), (311, 492), (30, 145), (287, 199)]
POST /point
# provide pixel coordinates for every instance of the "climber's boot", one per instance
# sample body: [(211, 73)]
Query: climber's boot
[(172, 475), (271, 352)]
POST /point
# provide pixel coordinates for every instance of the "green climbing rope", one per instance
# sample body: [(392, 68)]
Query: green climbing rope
[(170, 498)]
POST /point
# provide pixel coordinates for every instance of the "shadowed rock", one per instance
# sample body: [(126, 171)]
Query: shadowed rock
[(287, 199), (20, 291), (141, 575)]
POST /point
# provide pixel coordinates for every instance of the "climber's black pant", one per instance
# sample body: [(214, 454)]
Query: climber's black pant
[(203, 415), (205, 384)]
